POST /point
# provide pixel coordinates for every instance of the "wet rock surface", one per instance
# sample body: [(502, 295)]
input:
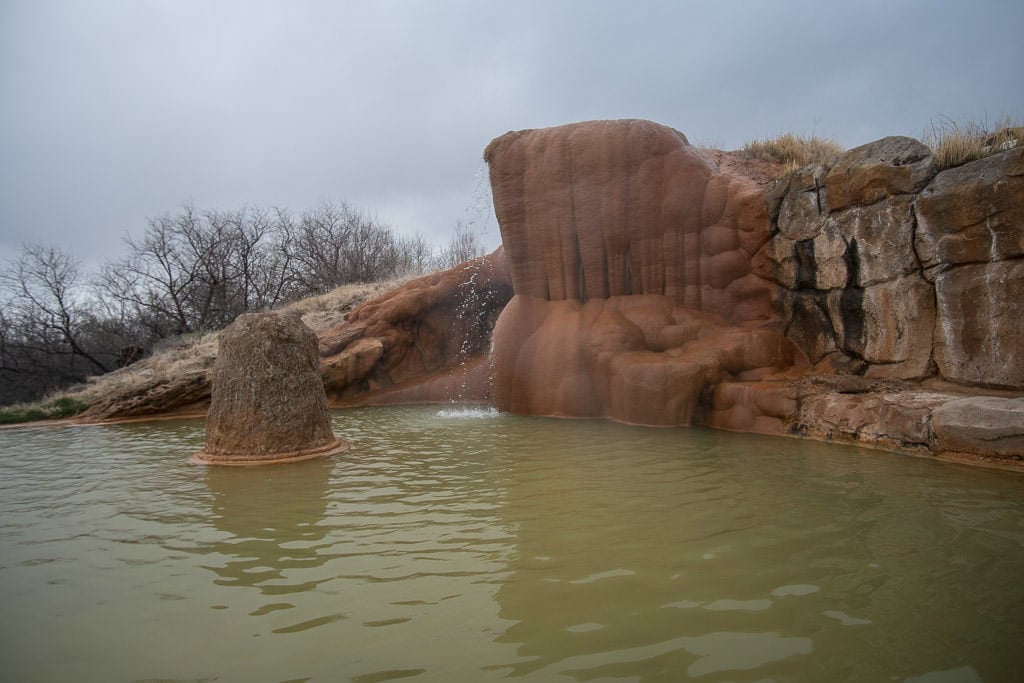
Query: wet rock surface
[(419, 342), (268, 402), (630, 256)]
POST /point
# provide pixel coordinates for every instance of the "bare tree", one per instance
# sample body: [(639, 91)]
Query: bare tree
[(50, 334), (335, 244), (41, 285), (188, 272), (415, 255), (464, 245)]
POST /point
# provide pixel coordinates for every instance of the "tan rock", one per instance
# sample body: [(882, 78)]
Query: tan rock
[(353, 362), (905, 416), (985, 425), (973, 213), (848, 417), (804, 208), (268, 402), (879, 169), (980, 327), (179, 393)]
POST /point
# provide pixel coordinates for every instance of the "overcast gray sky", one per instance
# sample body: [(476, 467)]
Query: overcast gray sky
[(115, 111)]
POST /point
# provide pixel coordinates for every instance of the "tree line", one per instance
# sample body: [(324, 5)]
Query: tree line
[(192, 271)]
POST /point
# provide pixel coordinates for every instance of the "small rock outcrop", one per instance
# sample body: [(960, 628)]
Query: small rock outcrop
[(268, 401), (424, 342)]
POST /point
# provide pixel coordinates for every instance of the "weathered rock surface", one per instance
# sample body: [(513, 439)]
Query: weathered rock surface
[(416, 343), (979, 338), (941, 419), (973, 213), (970, 239), (870, 173), (268, 400), (856, 296), (183, 392), (982, 424)]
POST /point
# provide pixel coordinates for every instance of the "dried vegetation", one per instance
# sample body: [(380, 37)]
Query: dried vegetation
[(954, 143), (793, 151), (193, 354)]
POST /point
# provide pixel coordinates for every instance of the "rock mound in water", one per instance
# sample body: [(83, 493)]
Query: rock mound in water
[(630, 257), (268, 402)]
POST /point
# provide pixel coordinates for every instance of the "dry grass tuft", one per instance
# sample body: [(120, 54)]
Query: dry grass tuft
[(954, 143), (793, 151)]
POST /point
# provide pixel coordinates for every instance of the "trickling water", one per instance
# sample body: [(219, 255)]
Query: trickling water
[(488, 546), (476, 299), (481, 210)]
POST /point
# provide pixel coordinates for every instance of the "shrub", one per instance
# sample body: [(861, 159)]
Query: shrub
[(793, 150), (33, 412), (954, 143)]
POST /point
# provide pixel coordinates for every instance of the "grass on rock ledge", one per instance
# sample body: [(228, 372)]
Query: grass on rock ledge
[(793, 151), (954, 143)]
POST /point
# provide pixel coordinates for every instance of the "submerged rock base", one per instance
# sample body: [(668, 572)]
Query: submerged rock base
[(268, 404)]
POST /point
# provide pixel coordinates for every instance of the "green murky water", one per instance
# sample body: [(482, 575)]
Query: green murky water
[(447, 548)]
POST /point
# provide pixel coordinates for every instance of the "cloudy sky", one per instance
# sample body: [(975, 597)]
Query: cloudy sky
[(114, 111)]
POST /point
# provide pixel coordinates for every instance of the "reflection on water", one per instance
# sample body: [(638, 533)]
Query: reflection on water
[(467, 545), (272, 519)]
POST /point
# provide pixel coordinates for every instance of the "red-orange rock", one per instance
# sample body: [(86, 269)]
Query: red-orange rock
[(416, 343), (615, 208), (630, 257)]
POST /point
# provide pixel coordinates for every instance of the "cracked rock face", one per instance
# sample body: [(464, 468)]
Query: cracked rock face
[(982, 424), (268, 402), (896, 272), (971, 240)]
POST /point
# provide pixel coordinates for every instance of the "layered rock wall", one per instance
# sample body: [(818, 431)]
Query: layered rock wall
[(893, 270)]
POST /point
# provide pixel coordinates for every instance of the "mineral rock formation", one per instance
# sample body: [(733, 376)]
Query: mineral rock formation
[(424, 342), (630, 258), (268, 399)]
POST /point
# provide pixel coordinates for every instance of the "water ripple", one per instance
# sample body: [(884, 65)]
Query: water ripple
[(491, 545)]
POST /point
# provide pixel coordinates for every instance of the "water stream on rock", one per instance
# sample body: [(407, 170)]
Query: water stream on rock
[(483, 546), (473, 297)]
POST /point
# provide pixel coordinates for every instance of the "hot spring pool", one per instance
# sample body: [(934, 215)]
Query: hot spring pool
[(452, 547)]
